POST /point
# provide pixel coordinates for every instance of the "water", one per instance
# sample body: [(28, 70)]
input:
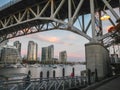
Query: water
[(35, 71)]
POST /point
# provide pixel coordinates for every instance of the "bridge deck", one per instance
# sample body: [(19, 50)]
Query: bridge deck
[(17, 19), (22, 4)]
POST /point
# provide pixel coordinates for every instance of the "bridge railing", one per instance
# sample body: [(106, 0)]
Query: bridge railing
[(58, 83)]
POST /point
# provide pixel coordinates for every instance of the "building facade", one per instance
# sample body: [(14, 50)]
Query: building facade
[(47, 53), (2, 44), (50, 52), (32, 51), (114, 58), (97, 60), (17, 44), (63, 56), (44, 56), (10, 54)]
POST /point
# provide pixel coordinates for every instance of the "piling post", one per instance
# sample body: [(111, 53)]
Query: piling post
[(89, 76), (73, 71), (41, 76), (48, 74), (63, 72), (54, 74)]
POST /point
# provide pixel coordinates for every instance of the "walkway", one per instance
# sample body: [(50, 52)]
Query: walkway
[(109, 84), (112, 85)]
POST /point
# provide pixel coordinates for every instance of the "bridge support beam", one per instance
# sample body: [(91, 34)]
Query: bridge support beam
[(97, 58)]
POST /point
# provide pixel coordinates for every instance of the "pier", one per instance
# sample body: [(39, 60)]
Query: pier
[(57, 83)]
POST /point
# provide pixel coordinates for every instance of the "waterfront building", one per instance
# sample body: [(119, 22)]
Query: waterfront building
[(114, 58), (44, 54), (63, 56), (3, 43), (18, 46), (10, 54), (32, 51), (1, 46), (47, 53), (51, 52)]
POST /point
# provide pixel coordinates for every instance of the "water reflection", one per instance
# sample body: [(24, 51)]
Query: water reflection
[(35, 71)]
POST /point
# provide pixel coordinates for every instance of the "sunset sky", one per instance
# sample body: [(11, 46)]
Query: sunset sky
[(62, 40)]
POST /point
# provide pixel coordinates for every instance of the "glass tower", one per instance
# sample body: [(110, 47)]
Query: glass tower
[(47, 53), (50, 52), (32, 51), (17, 44), (10, 54), (44, 54), (63, 56)]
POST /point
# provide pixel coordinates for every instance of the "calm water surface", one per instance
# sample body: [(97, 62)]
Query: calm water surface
[(35, 71)]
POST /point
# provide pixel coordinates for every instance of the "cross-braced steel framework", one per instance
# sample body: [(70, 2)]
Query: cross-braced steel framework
[(58, 15)]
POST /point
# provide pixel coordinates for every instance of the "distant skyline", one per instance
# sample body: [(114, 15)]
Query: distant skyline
[(72, 43), (62, 40)]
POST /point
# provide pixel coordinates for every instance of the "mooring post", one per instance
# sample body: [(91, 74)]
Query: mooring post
[(54, 74), (41, 76), (48, 74), (63, 72)]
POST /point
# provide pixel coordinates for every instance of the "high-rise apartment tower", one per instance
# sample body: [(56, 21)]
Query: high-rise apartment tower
[(17, 44), (63, 56), (32, 51)]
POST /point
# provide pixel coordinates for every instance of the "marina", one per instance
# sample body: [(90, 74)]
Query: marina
[(42, 75), (36, 69)]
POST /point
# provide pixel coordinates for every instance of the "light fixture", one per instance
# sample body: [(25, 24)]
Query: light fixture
[(111, 28), (105, 17)]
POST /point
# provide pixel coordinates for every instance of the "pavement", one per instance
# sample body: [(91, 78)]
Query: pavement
[(109, 84)]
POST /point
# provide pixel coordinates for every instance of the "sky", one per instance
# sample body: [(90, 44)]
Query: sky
[(2, 2), (62, 40)]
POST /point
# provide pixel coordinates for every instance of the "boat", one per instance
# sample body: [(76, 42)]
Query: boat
[(35, 65), (18, 65), (10, 66), (12, 76), (54, 66)]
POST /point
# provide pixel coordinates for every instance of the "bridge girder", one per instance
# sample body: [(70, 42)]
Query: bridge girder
[(53, 15)]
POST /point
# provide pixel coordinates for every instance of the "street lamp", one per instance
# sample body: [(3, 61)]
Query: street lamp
[(105, 17)]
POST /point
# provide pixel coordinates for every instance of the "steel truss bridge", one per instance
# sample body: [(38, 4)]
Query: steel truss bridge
[(23, 17), (58, 83)]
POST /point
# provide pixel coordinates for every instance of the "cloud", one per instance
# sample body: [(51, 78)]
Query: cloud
[(77, 55), (50, 39), (72, 37), (53, 39)]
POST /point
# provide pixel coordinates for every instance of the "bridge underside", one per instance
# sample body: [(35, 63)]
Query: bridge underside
[(85, 9), (27, 17)]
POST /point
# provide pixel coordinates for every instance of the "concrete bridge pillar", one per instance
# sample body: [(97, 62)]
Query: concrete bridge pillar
[(97, 58)]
